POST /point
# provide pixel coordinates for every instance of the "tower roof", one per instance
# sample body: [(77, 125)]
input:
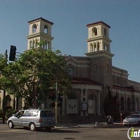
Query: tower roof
[(99, 22), (40, 19)]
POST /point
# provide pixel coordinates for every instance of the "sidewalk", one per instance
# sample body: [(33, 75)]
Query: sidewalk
[(95, 125), (1, 121)]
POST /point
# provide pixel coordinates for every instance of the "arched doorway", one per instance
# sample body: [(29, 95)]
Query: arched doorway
[(128, 104), (122, 104), (137, 105), (72, 104), (91, 105)]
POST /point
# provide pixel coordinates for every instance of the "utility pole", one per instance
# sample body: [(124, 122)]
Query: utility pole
[(56, 102), (4, 91)]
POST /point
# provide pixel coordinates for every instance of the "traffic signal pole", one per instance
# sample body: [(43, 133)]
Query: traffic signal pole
[(4, 92)]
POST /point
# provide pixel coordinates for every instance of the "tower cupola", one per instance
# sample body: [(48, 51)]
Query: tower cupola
[(98, 37), (39, 31)]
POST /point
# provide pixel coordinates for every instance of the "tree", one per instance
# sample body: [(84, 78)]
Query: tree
[(111, 104), (34, 74)]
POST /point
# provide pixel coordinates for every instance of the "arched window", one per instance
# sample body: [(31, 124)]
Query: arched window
[(94, 47), (46, 45), (45, 29), (105, 47), (94, 30), (90, 97), (31, 44), (105, 32), (98, 46), (128, 104), (137, 105), (91, 47), (34, 28), (122, 104)]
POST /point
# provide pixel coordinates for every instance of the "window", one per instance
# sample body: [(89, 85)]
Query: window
[(94, 30), (46, 45), (91, 47), (105, 47), (90, 97), (34, 28), (28, 113), (45, 29), (98, 46), (122, 104), (46, 114), (94, 47), (128, 104), (105, 32)]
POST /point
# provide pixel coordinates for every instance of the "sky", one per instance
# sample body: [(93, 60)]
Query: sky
[(70, 18)]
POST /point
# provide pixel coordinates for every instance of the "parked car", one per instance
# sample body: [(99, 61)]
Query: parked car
[(133, 119), (32, 118)]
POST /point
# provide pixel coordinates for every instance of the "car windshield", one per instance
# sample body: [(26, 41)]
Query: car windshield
[(46, 114)]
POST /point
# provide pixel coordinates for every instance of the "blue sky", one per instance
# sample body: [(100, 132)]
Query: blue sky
[(70, 18)]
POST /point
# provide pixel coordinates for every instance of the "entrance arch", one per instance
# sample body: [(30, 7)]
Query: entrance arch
[(91, 104), (72, 104)]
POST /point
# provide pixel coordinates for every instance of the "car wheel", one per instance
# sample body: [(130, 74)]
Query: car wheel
[(32, 127), (10, 124)]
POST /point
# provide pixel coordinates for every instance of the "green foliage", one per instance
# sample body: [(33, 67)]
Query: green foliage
[(34, 74)]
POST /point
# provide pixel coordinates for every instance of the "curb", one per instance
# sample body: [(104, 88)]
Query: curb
[(99, 125)]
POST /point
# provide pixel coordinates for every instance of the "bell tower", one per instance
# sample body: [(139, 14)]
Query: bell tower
[(39, 31), (98, 37), (99, 53)]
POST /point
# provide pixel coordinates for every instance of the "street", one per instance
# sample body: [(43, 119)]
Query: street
[(64, 133)]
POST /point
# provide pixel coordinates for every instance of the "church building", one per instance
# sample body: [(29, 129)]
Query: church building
[(93, 74)]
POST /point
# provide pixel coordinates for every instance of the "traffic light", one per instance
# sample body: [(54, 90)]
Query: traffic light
[(12, 53)]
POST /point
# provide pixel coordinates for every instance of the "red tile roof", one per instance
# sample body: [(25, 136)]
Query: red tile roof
[(76, 80), (41, 19), (99, 22), (128, 88)]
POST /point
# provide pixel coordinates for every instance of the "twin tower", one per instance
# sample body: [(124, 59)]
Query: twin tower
[(98, 36)]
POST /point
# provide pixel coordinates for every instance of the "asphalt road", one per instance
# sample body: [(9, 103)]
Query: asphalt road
[(65, 133)]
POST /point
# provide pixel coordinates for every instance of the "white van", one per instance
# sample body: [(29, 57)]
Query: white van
[(32, 118)]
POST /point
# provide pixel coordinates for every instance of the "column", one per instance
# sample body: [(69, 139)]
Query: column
[(81, 112), (84, 102), (63, 105), (98, 102)]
